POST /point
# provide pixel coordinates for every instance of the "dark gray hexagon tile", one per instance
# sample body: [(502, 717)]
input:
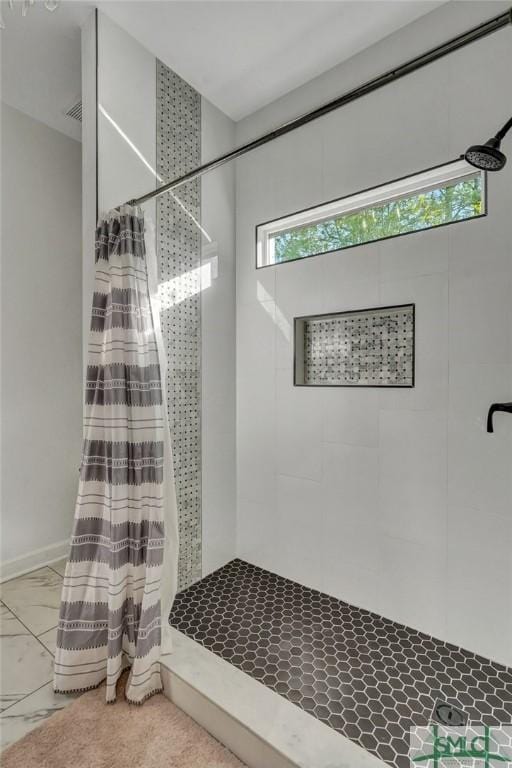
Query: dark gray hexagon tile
[(361, 674)]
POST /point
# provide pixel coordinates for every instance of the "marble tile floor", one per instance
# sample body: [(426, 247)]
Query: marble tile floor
[(29, 607)]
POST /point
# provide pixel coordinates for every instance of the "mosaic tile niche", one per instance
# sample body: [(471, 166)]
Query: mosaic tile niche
[(364, 348), (178, 146)]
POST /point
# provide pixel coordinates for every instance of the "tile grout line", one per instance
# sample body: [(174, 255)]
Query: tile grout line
[(53, 569), (36, 637), (23, 698), (28, 629), (31, 634), (2, 602)]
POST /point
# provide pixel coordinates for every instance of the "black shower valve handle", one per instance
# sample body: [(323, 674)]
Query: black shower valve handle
[(503, 407)]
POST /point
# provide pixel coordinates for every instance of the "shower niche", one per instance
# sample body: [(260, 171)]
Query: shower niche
[(359, 348)]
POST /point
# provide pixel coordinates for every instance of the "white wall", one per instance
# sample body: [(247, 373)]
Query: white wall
[(395, 500), (89, 202), (41, 333), (126, 155)]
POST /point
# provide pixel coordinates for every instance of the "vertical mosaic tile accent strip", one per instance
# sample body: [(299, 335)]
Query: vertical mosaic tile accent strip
[(178, 144), (366, 348)]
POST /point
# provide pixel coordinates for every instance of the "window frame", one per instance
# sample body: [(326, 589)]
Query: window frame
[(421, 181)]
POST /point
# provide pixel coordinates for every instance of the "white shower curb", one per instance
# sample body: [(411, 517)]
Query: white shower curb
[(262, 728)]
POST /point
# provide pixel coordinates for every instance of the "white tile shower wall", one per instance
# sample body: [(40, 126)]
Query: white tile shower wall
[(397, 501), (126, 154), (126, 161), (218, 318), (126, 125)]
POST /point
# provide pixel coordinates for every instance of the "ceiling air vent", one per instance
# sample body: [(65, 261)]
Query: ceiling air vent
[(75, 111)]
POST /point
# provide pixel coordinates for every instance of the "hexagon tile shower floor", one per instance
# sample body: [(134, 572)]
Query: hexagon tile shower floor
[(365, 676)]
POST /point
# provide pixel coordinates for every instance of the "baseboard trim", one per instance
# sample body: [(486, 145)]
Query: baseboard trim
[(38, 558)]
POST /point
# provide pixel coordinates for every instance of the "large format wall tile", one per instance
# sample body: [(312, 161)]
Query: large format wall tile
[(218, 530), (413, 492), (415, 255), (479, 463), (430, 296), (349, 501), (350, 279), (412, 580), (256, 439), (258, 322), (256, 519), (479, 580), (298, 429), (299, 516), (473, 298), (352, 419), (431, 444)]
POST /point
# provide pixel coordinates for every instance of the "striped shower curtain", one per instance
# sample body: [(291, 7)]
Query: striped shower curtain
[(121, 576)]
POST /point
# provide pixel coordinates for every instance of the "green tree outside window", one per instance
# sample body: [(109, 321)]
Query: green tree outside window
[(454, 202)]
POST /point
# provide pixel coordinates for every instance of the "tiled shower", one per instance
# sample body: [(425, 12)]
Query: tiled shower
[(345, 524)]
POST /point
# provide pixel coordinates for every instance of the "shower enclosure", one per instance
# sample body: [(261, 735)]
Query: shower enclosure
[(363, 534)]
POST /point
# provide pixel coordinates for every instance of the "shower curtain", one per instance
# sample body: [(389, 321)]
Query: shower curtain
[(121, 576)]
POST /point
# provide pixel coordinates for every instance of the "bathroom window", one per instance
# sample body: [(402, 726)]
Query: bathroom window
[(432, 198)]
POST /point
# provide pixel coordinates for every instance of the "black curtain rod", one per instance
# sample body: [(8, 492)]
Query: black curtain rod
[(476, 33)]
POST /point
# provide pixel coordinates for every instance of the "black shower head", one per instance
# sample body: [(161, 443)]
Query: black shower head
[(488, 156)]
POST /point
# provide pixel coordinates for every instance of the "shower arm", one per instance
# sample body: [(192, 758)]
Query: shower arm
[(503, 131), (454, 44)]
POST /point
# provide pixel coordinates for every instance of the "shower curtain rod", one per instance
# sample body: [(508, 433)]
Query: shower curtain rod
[(470, 36)]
